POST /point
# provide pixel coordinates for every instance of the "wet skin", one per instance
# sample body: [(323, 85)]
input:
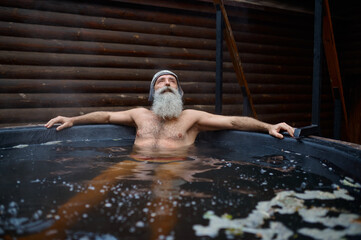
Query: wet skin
[(156, 132)]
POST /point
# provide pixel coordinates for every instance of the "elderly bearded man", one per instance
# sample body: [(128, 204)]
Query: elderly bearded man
[(167, 125)]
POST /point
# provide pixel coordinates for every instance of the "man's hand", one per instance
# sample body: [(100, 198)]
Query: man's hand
[(275, 130), (65, 122)]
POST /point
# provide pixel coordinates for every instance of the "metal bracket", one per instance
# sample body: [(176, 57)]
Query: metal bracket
[(306, 131)]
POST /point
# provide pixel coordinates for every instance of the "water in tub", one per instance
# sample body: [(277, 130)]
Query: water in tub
[(109, 190)]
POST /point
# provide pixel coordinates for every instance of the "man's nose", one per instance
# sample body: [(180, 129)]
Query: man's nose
[(167, 82)]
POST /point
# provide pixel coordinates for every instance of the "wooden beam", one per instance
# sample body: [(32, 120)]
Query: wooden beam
[(332, 61), (106, 36), (233, 51), (101, 48)]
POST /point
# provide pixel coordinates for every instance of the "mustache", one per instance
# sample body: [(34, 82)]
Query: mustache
[(166, 89)]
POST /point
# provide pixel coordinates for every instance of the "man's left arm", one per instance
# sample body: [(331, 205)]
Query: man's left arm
[(207, 121)]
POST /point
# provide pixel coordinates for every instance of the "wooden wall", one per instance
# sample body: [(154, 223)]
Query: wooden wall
[(347, 26), (73, 57)]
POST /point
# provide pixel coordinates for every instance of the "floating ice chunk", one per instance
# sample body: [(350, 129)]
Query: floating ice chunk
[(349, 179), (350, 183), (21, 146), (330, 234), (105, 237), (51, 232), (117, 139), (35, 226), (340, 193), (276, 231), (37, 214), (51, 143), (264, 183), (215, 224), (17, 222), (286, 202), (139, 224), (13, 209), (35, 181), (319, 215), (237, 227)]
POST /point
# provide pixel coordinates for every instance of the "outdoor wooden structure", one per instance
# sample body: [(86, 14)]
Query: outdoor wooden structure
[(334, 70), (73, 57)]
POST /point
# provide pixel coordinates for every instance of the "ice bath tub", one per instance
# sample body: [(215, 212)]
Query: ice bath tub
[(88, 182)]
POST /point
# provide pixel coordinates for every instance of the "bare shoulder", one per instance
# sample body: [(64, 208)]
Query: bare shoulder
[(130, 112), (129, 117), (139, 112), (195, 114), (199, 120)]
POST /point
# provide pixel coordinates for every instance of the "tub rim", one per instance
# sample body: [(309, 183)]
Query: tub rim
[(346, 156)]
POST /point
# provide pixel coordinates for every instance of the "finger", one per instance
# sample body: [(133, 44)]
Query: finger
[(278, 135), (50, 123), (290, 130), (61, 127), (57, 119)]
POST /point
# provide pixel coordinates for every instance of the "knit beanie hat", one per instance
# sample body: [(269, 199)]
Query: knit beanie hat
[(156, 76)]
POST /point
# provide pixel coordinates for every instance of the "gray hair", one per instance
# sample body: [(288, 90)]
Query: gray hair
[(167, 105)]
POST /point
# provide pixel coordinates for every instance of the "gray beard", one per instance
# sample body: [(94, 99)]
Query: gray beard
[(167, 105)]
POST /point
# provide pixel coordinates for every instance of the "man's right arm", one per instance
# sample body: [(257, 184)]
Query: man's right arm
[(123, 117)]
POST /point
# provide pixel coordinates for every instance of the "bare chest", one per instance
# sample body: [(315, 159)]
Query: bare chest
[(167, 130)]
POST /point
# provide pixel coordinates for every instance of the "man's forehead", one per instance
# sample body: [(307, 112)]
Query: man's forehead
[(166, 76)]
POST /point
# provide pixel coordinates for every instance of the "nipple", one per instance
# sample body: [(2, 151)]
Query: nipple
[(180, 135)]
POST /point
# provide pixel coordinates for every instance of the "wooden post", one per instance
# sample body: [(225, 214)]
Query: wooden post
[(233, 51), (219, 60), (334, 72), (316, 86)]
